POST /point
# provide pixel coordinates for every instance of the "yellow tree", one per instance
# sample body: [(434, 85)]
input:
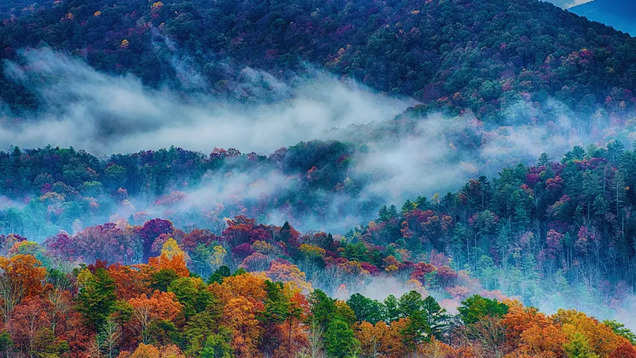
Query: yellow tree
[(150, 351), (391, 343), (368, 336), (171, 258), (531, 333), (217, 256), (240, 315), (542, 341), (20, 276), (600, 337), (284, 272), (249, 285), (437, 349), (381, 340)]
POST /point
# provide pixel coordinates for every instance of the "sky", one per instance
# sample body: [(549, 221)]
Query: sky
[(567, 3)]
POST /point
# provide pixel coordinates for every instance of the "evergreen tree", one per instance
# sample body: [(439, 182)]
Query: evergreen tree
[(340, 341), (96, 297)]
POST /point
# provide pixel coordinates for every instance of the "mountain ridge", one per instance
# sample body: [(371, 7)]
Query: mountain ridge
[(449, 54)]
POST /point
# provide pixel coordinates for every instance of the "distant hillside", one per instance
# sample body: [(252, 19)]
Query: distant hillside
[(454, 54), (9, 8), (619, 14)]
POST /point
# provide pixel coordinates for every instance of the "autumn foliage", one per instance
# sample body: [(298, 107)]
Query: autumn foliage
[(160, 309)]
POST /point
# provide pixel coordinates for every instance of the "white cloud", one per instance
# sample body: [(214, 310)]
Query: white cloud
[(105, 114), (566, 4)]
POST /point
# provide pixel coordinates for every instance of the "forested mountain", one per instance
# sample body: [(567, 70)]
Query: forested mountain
[(554, 224), (64, 188), (459, 54), (619, 14), (502, 130), (554, 229)]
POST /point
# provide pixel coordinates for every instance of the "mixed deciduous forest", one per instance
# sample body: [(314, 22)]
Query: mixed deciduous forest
[(301, 178), (545, 232), (161, 309)]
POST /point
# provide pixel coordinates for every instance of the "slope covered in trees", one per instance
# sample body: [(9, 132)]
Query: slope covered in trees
[(160, 308), (34, 171), (552, 229), (175, 253), (460, 54), (531, 230), (63, 189)]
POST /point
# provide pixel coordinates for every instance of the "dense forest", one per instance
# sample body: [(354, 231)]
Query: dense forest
[(60, 188), (530, 228), (454, 55), (551, 229), (162, 309), (304, 178)]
